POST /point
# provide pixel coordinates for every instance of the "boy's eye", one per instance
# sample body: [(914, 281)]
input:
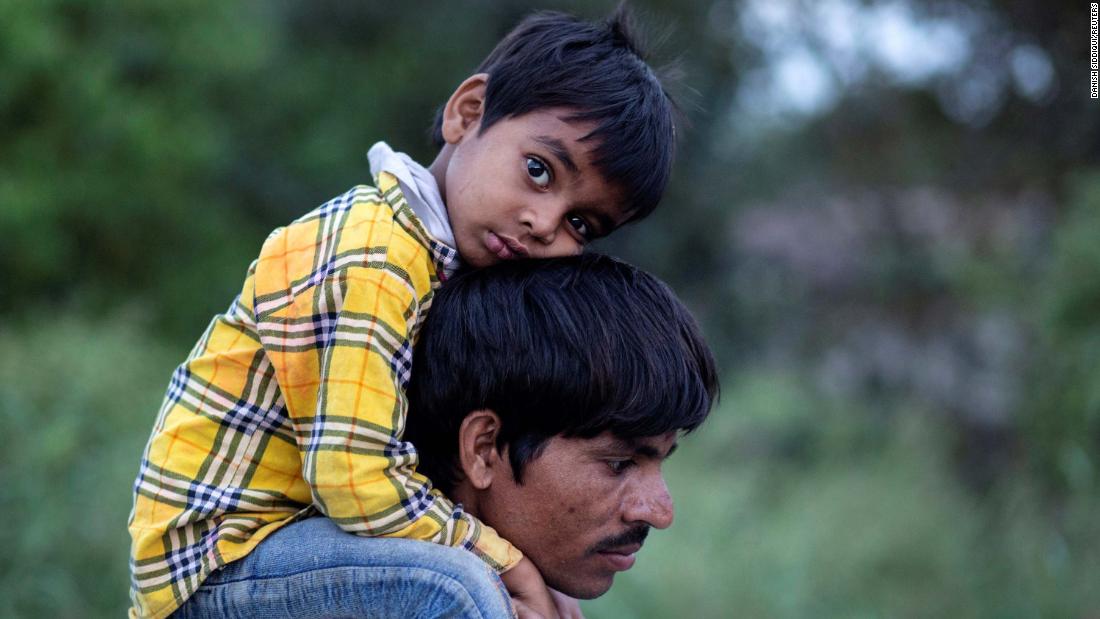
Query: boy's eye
[(580, 226), (538, 172)]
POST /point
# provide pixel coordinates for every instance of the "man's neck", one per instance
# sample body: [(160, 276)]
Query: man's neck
[(467, 495)]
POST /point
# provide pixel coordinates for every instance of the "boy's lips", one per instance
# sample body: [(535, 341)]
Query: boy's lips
[(504, 247)]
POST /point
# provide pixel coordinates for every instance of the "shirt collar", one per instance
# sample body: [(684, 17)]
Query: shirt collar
[(446, 258), (420, 189)]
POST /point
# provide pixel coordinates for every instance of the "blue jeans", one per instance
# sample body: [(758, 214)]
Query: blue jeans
[(313, 569)]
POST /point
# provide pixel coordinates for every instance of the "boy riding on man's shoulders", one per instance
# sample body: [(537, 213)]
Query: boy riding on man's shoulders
[(293, 401)]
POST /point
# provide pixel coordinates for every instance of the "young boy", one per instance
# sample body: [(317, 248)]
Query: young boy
[(293, 401)]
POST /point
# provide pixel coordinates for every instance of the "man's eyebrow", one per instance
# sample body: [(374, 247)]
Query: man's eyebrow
[(642, 449), (557, 147)]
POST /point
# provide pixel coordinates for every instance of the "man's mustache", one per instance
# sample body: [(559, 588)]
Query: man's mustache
[(630, 537)]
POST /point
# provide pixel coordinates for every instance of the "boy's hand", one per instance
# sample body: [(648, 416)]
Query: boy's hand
[(524, 611), (530, 597), (567, 607)]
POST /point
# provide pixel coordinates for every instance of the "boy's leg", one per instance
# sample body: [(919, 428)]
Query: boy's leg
[(313, 569)]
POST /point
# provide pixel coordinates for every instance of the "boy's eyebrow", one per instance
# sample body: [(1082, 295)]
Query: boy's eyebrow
[(557, 147)]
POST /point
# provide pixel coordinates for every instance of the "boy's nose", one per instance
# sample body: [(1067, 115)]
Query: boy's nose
[(542, 221)]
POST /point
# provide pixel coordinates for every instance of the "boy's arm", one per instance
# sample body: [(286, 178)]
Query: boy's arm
[(530, 596), (340, 338)]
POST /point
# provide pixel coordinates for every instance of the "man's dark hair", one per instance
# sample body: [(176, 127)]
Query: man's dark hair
[(572, 346), (599, 72)]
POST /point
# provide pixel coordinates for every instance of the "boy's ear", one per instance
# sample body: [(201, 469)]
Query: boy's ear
[(477, 448), (463, 110)]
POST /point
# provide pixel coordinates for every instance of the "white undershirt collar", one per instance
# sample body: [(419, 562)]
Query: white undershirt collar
[(420, 189)]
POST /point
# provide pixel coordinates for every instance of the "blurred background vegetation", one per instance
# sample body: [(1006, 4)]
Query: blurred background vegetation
[(886, 215)]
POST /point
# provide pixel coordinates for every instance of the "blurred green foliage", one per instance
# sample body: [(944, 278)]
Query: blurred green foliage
[(1062, 424), (76, 402), (902, 286)]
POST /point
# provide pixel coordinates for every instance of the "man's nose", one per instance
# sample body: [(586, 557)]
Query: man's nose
[(651, 504)]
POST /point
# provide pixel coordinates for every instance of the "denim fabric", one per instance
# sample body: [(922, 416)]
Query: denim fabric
[(313, 569)]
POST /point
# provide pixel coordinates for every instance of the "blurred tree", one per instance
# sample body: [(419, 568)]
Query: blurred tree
[(114, 135), (1062, 419)]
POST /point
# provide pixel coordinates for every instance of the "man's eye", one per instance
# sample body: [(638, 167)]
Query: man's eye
[(538, 172), (619, 466), (580, 226)]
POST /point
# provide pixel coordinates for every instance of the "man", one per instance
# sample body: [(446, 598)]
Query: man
[(546, 396)]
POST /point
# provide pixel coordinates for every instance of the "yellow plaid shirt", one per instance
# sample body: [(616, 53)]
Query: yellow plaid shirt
[(293, 401)]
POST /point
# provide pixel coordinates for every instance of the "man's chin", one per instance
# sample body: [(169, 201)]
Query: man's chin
[(587, 589)]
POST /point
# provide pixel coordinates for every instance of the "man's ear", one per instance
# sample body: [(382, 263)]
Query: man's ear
[(463, 110), (477, 448)]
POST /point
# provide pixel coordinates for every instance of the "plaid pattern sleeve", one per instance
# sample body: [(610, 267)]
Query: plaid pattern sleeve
[(294, 400)]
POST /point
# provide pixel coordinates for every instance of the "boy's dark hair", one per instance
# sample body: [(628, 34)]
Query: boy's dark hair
[(597, 70), (572, 346)]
